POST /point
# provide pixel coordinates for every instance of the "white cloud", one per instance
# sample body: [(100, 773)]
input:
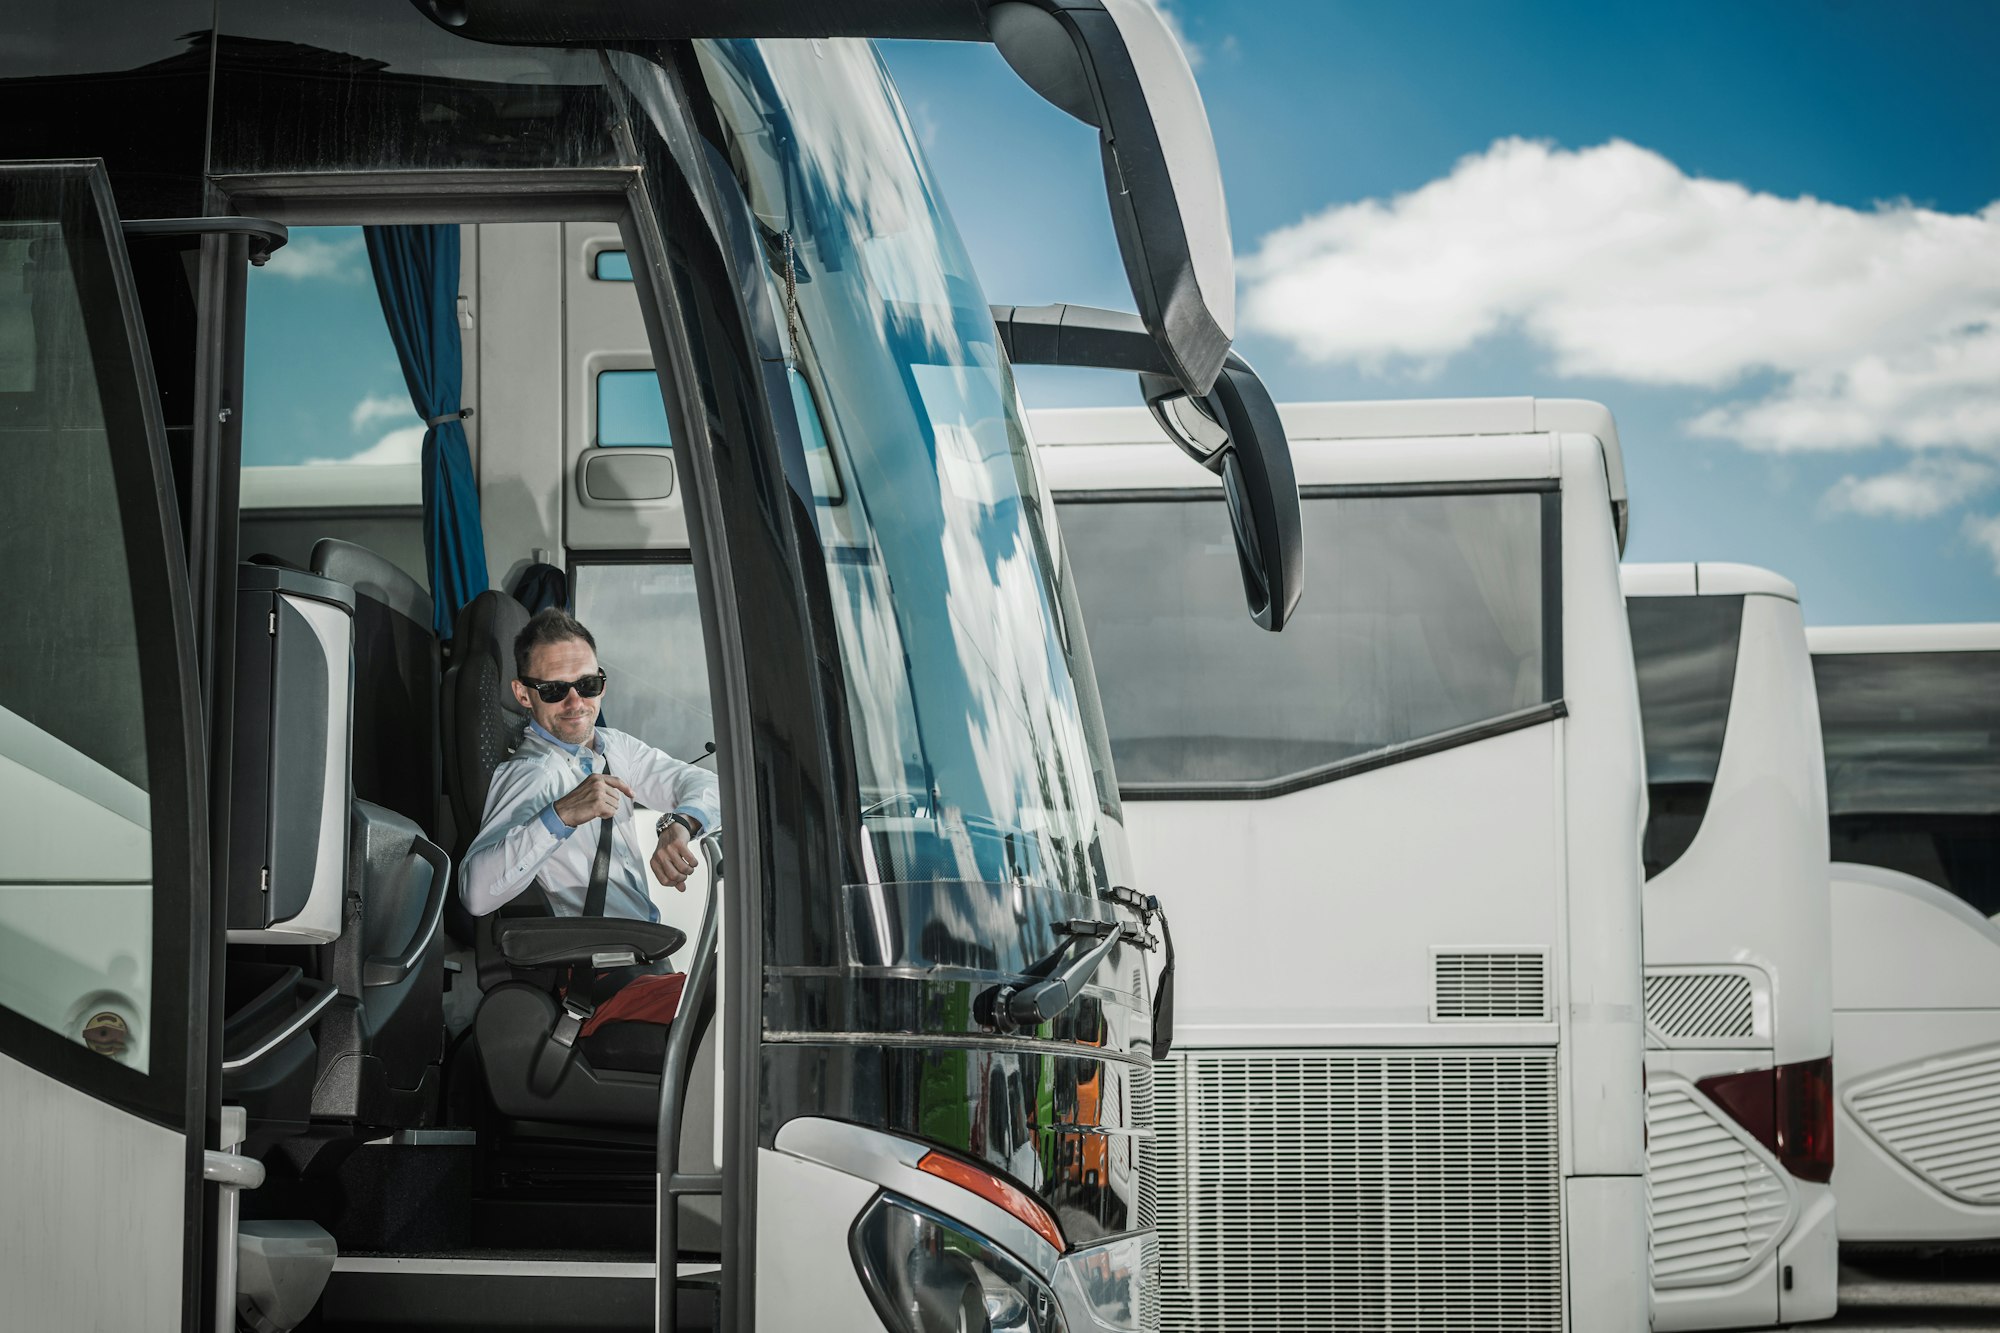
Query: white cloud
[(378, 407), (1872, 326), (398, 446), (1929, 485), (309, 257), (1985, 531)]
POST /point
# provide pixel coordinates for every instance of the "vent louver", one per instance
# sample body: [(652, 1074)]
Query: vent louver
[(1697, 1005), (1476, 984), (1717, 1206), (1388, 1191), (1940, 1119)]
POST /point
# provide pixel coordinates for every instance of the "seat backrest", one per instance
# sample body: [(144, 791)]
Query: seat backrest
[(289, 759), (381, 1047), (395, 681), (483, 723)]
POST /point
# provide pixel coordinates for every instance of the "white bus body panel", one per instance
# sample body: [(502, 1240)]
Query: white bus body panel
[(1916, 1000), (1309, 925), (1743, 906), (64, 1154)]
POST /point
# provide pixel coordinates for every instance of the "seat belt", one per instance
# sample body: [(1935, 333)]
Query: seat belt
[(577, 1006)]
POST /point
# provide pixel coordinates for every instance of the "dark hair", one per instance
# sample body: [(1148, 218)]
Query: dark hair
[(549, 625)]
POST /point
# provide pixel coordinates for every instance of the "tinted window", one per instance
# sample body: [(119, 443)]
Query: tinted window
[(1685, 651), (77, 900), (611, 266), (1426, 616), (1913, 765), (630, 410), (648, 629)]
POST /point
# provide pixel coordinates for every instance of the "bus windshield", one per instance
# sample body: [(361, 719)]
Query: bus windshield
[(967, 708), (1913, 765)]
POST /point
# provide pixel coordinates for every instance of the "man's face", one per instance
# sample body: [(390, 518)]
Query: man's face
[(572, 718)]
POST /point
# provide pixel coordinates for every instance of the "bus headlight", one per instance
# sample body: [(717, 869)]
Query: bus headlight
[(927, 1274)]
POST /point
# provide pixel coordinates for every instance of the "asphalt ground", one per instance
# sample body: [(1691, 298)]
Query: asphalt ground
[(1910, 1293)]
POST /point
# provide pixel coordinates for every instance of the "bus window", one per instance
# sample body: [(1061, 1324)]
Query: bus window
[(630, 410), (1913, 765), (1426, 617), (648, 629), (1685, 652)]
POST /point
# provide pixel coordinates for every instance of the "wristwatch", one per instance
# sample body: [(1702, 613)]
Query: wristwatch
[(676, 817)]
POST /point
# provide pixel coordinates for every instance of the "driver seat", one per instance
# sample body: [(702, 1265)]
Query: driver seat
[(538, 1066)]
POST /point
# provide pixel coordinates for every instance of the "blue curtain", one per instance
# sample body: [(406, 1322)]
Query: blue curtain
[(416, 275)]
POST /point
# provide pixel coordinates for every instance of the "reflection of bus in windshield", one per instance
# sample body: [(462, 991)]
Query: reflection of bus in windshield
[(676, 326), (1401, 841), (1910, 716), (1739, 1021)]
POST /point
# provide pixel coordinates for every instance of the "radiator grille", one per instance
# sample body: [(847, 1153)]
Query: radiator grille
[(1388, 1191), (1717, 1207), (1686, 1005), (1942, 1120), (1476, 984)]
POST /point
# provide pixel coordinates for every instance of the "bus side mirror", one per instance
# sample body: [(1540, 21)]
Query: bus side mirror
[(1233, 430), (1115, 65)]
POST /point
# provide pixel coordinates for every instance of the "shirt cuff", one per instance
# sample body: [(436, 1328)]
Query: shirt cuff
[(693, 812), (553, 821)]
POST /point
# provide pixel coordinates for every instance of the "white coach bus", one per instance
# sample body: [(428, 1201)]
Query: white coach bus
[(1911, 721), (1401, 841), (1739, 1012)]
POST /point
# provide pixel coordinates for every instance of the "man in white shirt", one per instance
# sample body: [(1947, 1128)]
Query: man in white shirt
[(570, 773)]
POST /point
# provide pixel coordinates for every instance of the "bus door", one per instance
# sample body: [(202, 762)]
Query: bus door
[(104, 877)]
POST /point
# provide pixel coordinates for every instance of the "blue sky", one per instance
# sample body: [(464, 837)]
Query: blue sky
[(1756, 233)]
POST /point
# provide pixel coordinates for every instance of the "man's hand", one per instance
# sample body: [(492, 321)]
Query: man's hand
[(596, 797), (674, 859)]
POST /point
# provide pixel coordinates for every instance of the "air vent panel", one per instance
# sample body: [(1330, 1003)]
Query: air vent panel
[(1482, 985), (1941, 1119), (1717, 1203), (1696, 1006), (1389, 1191)]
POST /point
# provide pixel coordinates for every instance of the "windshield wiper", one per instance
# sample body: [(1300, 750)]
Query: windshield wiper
[(1011, 1008)]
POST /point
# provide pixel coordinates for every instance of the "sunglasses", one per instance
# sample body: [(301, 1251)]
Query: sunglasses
[(555, 691)]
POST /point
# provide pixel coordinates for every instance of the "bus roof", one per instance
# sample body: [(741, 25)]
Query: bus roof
[(1904, 638), (1708, 578), (1385, 419)]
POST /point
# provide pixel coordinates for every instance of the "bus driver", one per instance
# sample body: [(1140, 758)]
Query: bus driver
[(570, 773)]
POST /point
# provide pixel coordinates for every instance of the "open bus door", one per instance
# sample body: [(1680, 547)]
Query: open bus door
[(105, 961)]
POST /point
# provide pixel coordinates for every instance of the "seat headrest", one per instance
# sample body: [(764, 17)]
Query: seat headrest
[(486, 721), (371, 575)]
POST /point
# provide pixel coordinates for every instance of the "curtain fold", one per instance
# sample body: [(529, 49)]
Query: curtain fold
[(416, 276)]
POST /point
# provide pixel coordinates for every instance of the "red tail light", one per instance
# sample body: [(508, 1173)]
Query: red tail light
[(1788, 1109)]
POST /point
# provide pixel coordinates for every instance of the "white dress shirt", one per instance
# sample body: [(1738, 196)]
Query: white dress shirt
[(522, 836)]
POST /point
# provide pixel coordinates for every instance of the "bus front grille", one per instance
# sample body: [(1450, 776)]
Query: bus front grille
[(1325, 1191)]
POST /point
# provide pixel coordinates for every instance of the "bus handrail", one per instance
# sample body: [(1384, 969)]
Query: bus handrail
[(673, 1096)]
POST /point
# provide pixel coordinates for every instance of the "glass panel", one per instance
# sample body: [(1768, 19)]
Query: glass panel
[(1913, 765), (1685, 651), (630, 409), (322, 384), (647, 623), (972, 753), (612, 266), (76, 890), (304, 85), (1426, 615)]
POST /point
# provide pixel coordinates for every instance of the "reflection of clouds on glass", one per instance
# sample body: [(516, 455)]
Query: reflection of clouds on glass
[(963, 709), (1685, 651), (1911, 733)]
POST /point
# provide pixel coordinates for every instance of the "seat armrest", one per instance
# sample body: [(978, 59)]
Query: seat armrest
[(602, 941)]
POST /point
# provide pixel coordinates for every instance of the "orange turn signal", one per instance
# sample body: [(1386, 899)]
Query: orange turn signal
[(996, 1191)]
